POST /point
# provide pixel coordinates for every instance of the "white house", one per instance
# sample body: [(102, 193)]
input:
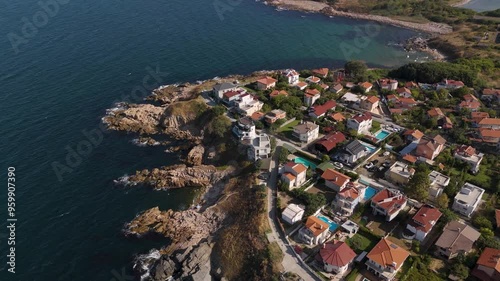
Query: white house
[(266, 83), (293, 213), (306, 132), (336, 257), (244, 128), (468, 154), (220, 88), (311, 96), (354, 151), (438, 183), (292, 76), (315, 231), (294, 174), (388, 203), (260, 147), (388, 84), (422, 223), (467, 200), (247, 104), (348, 199), (361, 123), (313, 79), (335, 179)]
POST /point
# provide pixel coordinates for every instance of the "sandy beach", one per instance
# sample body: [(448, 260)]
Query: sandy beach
[(461, 3)]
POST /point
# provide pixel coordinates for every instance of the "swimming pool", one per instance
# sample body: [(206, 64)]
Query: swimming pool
[(309, 164), (382, 134), (368, 147), (333, 226), (369, 193)]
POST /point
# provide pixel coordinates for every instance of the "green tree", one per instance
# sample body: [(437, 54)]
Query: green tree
[(448, 215), (482, 222), (443, 201), (219, 126), (283, 155), (356, 69), (460, 270), (218, 110), (418, 187), (325, 158)]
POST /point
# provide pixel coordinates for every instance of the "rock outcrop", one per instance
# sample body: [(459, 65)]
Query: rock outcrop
[(195, 155), (178, 176), (141, 118)]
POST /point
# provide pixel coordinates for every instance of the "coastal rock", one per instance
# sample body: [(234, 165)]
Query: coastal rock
[(197, 265), (142, 118), (164, 268), (195, 155), (178, 176)]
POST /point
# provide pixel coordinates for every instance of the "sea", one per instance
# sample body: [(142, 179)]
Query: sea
[(482, 5), (63, 63)]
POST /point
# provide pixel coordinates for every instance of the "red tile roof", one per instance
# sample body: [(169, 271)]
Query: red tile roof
[(470, 104), (351, 191), (435, 112), (466, 149), (297, 167), (489, 133), (372, 99), (312, 92), (426, 217), (331, 140), (335, 177), (267, 80), (337, 254), (403, 90), (366, 85), (323, 108), (389, 201), (337, 116), (490, 258), (414, 133), (276, 93), (386, 253), (321, 71), (410, 158), (301, 84), (257, 115), (477, 116), (469, 97), (490, 121), (362, 117)]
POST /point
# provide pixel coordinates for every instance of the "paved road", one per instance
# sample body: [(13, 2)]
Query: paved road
[(291, 262)]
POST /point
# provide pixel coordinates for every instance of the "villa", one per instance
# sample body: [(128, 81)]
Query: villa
[(457, 238), (489, 123), (468, 154), (361, 123), (490, 136), (369, 103), (388, 203), (244, 128), (491, 95), (438, 183), (313, 80), (231, 96), (367, 86), (329, 142), (306, 132), (404, 92), (220, 88), (311, 96), (348, 199), (336, 256), (292, 76), (293, 213), (301, 85), (318, 111), (488, 265), (386, 259), (399, 173), (315, 231), (266, 83), (477, 116), (449, 84), (467, 200), (337, 117), (413, 135), (354, 151), (435, 112), (294, 175), (321, 72), (469, 105), (337, 88), (335, 180), (274, 115), (422, 222), (260, 147), (247, 104), (430, 149), (387, 84)]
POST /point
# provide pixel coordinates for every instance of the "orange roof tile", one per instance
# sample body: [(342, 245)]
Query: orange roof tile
[(267, 80), (257, 115), (276, 93), (335, 177), (414, 133), (337, 253), (386, 253), (410, 158), (490, 258), (321, 71), (372, 99), (312, 92), (337, 116), (316, 226), (297, 167), (435, 112), (366, 85), (490, 121)]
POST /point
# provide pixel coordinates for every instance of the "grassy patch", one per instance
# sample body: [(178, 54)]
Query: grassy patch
[(361, 242), (352, 275), (288, 127)]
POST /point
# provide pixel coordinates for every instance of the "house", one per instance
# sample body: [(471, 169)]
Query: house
[(438, 183), (468, 154), (413, 135), (321, 72), (276, 93), (467, 199), (430, 149), (449, 84), (274, 115), (313, 79), (388, 203), (399, 173), (457, 238), (488, 265), (386, 259), (406, 103), (410, 158), (336, 256), (489, 123), (315, 231), (266, 83), (337, 88), (257, 116), (469, 105), (301, 85), (247, 104), (361, 123), (435, 112), (294, 174), (335, 179), (320, 110), (244, 128), (490, 136), (445, 123), (349, 85), (350, 98), (348, 199), (404, 92), (367, 86), (292, 76), (387, 84), (324, 86), (311, 96), (392, 98), (354, 151), (306, 132), (260, 147), (220, 88), (293, 213), (411, 85), (337, 117), (422, 222), (369, 103), (477, 116), (329, 142), (231, 96), (339, 75), (350, 227), (491, 95)]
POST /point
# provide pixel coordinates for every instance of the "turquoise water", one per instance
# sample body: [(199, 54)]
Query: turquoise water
[(333, 226), (93, 53), (382, 135), (306, 162), (369, 193), (369, 147)]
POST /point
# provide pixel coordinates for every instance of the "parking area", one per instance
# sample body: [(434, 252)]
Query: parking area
[(377, 165)]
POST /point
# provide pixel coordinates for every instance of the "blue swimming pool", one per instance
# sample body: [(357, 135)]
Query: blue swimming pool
[(382, 135), (368, 147), (369, 193), (333, 226), (304, 161)]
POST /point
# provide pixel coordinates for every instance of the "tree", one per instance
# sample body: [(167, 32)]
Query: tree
[(325, 158), (448, 215), (219, 126), (418, 187), (460, 270), (218, 110), (443, 201), (356, 69), (482, 222), (283, 155)]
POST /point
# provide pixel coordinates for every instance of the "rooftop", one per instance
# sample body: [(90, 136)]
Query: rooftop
[(469, 194), (402, 169), (312, 92), (426, 217), (331, 140), (389, 200), (490, 258), (305, 127), (386, 253), (335, 177), (316, 226), (337, 253), (292, 210), (323, 108), (297, 167), (414, 133), (457, 236), (362, 117), (437, 178), (267, 80)]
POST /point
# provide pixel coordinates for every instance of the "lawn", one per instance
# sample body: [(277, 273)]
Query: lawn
[(352, 275), (361, 242), (288, 127)]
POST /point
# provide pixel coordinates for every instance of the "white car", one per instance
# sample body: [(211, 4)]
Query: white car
[(369, 165), (338, 165), (386, 153)]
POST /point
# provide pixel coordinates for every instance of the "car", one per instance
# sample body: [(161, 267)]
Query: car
[(263, 176), (338, 165), (375, 162), (369, 165), (386, 153), (387, 164), (373, 169)]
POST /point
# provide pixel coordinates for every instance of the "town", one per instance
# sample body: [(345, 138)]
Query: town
[(374, 177)]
